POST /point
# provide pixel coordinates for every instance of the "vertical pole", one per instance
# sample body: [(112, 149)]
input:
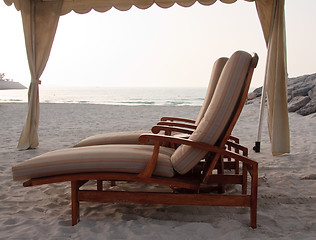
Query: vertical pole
[(256, 148)]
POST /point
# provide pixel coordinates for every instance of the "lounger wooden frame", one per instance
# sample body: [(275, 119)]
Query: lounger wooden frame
[(194, 198), (193, 182)]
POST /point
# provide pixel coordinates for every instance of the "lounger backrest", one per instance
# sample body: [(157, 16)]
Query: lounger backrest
[(216, 73), (219, 113)]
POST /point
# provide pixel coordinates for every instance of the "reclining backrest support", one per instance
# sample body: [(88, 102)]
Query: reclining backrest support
[(217, 122), (216, 72)]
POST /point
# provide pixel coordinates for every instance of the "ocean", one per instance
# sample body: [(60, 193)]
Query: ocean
[(112, 96)]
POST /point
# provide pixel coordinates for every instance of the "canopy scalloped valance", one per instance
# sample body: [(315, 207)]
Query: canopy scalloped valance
[(40, 20), (84, 6)]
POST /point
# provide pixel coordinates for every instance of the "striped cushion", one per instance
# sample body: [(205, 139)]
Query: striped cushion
[(218, 114), (216, 73), (106, 158), (112, 138)]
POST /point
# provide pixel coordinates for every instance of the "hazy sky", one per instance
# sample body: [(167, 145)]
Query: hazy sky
[(156, 47)]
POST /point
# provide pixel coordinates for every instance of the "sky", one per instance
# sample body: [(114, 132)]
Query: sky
[(173, 47)]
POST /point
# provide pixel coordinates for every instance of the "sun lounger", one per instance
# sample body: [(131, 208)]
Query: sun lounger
[(182, 169)]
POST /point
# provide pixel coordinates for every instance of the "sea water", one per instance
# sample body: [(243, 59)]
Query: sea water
[(111, 96)]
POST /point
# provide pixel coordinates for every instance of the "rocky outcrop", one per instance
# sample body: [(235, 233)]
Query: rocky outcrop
[(298, 102), (4, 85), (312, 93), (301, 94), (309, 108), (255, 94)]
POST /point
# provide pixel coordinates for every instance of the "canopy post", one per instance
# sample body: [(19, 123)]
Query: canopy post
[(256, 148)]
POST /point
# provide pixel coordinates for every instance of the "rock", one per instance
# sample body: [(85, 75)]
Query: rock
[(302, 91), (301, 94), (299, 86), (251, 96), (295, 83), (309, 108), (311, 79), (258, 91), (297, 102), (297, 80), (312, 93), (255, 93)]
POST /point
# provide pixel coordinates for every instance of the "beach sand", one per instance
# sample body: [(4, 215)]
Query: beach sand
[(287, 184)]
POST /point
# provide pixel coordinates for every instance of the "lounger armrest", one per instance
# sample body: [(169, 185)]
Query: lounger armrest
[(145, 138), (237, 147), (177, 119), (169, 129), (177, 124), (234, 139), (151, 165), (181, 127)]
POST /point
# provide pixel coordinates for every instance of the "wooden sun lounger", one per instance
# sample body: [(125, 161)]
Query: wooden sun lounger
[(197, 195), (197, 165)]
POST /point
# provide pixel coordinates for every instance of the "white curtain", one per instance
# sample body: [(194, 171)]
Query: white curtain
[(271, 14), (40, 20)]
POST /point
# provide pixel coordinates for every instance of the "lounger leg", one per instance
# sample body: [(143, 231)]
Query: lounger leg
[(254, 196), (75, 202), (244, 179), (237, 167), (99, 185), (221, 169)]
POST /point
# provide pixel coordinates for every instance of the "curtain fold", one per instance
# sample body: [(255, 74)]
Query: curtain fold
[(40, 20), (271, 14)]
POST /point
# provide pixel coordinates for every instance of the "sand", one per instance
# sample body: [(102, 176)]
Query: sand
[(287, 184)]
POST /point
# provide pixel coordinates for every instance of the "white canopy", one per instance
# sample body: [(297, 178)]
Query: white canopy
[(40, 20)]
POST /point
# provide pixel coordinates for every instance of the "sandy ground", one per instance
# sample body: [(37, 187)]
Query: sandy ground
[(287, 184)]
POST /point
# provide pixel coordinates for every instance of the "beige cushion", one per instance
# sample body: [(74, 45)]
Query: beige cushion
[(112, 138), (218, 114), (216, 73), (104, 158)]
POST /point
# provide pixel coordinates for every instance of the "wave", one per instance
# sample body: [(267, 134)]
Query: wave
[(136, 103), (113, 96)]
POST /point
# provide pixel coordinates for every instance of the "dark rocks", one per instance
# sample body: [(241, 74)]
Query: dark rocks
[(303, 91), (300, 86), (252, 96), (301, 94), (312, 93), (298, 102), (309, 108), (256, 93)]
